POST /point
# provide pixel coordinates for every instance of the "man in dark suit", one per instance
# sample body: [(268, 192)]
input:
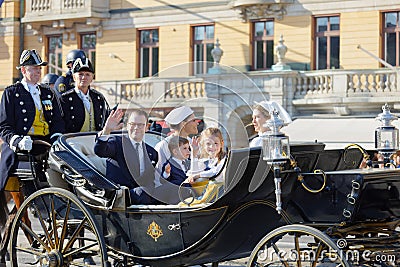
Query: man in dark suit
[(130, 160)]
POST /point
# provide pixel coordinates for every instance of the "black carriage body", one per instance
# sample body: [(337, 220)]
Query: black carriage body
[(230, 227)]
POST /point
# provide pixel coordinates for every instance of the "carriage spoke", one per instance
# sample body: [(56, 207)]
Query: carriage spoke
[(75, 251), (297, 248), (43, 224), (276, 249), (74, 236), (29, 251), (64, 226), (34, 235), (318, 253), (54, 221)]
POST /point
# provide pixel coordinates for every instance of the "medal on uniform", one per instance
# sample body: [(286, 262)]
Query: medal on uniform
[(47, 105)]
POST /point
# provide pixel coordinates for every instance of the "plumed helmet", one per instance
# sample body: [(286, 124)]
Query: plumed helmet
[(50, 78), (30, 58), (74, 55)]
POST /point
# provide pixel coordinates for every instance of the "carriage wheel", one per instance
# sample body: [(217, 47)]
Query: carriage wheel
[(297, 246), (55, 232)]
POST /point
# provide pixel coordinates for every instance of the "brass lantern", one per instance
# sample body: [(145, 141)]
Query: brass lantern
[(386, 135), (276, 148)]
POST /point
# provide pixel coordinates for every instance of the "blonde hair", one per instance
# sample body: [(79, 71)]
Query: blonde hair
[(262, 110), (212, 131)]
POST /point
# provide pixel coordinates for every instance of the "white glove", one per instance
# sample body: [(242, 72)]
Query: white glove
[(25, 143)]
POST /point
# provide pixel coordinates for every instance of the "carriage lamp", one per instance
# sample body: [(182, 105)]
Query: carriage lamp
[(276, 152), (386, 135)]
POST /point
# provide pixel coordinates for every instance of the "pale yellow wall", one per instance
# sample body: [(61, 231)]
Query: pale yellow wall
[(361, 28), (174, 50), (234, 39), (122, 43), (9, 9), (296, 33), (9, 47)]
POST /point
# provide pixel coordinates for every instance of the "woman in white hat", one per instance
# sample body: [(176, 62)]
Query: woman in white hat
[(183, 123), (261, 114)]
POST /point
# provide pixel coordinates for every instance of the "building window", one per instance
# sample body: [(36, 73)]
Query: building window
[(148, 52), (54, 54), (203, 43), (391, 39), (263, 44), (88, 44), (327, 42)]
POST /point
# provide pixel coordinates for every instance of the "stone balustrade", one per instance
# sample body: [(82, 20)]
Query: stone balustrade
[(301, 93), (43, 12)]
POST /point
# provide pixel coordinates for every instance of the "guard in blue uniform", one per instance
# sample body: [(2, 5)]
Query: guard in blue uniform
[(28, 111), (65, 82), (85, 109)]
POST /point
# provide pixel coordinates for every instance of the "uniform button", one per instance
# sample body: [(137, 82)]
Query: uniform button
[(17, 95), (21, 103), (72, 108), (51, 113), (50, 121), (25, 119), (98, 97), (25, 128), (48, 96), (101, 106), (24, 111), (72, 117), (101, 116), (70, 99)]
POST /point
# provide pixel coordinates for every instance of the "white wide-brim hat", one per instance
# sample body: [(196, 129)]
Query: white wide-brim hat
[(272, 105), (177, 115)]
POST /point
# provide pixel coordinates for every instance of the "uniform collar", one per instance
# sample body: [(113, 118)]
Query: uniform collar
[(29, 85), (79, 92)]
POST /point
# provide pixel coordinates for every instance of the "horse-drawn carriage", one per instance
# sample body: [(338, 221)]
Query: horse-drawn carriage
[(340, 216)]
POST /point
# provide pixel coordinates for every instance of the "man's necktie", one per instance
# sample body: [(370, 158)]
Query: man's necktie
[(186, 165)]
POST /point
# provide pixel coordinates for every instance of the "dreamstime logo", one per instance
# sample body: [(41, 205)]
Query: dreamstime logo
[(332, 256), (341, 243)]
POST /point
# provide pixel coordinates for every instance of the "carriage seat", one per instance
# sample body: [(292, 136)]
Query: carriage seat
[(84, 146)]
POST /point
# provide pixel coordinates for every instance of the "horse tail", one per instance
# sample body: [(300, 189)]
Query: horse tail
[(3, 210)]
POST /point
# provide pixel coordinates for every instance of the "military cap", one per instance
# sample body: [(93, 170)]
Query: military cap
[(79, 65), (30, 58)]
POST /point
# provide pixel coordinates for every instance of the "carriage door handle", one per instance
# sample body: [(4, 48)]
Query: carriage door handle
[(174, 227)]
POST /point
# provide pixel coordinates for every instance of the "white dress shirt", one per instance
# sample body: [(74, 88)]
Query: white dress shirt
[(35, 93)]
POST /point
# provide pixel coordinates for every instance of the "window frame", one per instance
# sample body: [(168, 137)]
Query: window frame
[(265, 38), (385, 30), (328, 34), (204, 43), (150, 45), (57, 52), (91, 51)]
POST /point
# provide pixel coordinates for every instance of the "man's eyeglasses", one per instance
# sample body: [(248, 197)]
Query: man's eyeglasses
[(136, 125)]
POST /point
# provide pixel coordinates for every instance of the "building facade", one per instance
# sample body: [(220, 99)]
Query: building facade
[(158, 54)]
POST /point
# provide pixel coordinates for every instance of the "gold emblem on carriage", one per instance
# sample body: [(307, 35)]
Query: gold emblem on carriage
[(154, 230)]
